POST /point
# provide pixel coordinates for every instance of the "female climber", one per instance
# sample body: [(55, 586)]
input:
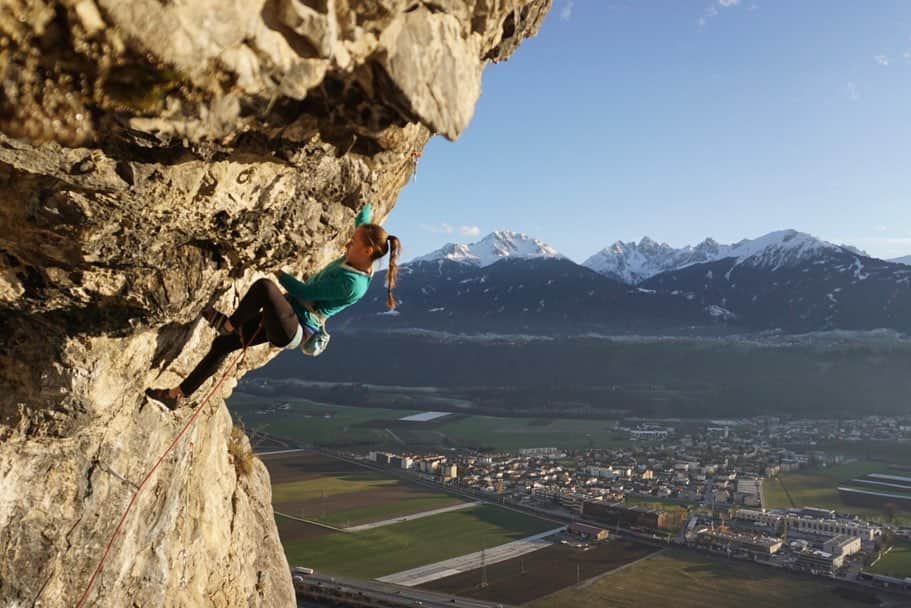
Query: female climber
[(289, 321)]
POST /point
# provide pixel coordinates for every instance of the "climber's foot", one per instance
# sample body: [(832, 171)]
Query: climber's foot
[(164, 396), (217, 320)]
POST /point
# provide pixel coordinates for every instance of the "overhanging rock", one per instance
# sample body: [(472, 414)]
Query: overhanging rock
[(156, 157)]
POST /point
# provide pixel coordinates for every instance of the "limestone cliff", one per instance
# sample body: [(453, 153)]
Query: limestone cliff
[(157, 156)]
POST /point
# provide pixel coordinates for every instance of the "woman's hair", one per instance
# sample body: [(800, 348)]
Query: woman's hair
[(383, 243)]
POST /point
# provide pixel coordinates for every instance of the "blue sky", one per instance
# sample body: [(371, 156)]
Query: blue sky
[(679, 120)]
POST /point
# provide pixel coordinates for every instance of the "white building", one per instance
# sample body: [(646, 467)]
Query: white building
[(807, 521), (842, 545), (649, 434)]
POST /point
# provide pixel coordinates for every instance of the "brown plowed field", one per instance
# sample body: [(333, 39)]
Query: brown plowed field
[(344, 494), (300, 466), (288, 529), (319, 508), (541, 573)]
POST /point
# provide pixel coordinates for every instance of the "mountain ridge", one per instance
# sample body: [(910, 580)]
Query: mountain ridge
[(495, 246), (633, 263)]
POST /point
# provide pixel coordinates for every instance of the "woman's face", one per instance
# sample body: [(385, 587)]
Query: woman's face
[(358, 249)]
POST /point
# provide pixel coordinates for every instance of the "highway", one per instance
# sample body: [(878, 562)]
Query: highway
[(403, 518), (471, 561)]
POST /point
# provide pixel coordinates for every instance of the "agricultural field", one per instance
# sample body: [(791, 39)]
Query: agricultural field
[(679, 579), (535, 575), (896, 563), (311, 423), (515, 433), (817, 488), (394, 548), (311, 486)]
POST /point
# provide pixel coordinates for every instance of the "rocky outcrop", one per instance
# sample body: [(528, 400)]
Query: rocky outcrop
[(157, 156)]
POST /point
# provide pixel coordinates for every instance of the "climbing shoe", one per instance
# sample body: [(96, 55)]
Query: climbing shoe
[(163, 396)]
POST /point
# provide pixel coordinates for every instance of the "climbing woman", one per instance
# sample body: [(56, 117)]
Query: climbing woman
[(296, 319)]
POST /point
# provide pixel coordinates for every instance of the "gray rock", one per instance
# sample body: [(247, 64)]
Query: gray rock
[(156, 157)]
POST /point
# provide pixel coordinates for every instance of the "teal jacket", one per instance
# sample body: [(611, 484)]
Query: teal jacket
[(332, 289)]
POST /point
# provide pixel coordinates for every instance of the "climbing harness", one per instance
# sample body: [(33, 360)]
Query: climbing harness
[(148, 476)]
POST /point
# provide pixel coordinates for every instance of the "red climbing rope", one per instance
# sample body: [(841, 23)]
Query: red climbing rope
[(189, 423)]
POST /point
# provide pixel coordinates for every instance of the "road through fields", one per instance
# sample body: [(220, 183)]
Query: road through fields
[(472, 561), (404, 518)]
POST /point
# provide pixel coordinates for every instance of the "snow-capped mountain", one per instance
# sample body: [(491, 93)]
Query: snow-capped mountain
[(492, 248), (798, 285), (634, 263), (906, 260)]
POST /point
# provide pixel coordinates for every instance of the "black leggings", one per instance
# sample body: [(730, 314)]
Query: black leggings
[(263, 303)]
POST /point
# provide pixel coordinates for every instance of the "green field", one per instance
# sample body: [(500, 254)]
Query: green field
[(817, 488), (309, 422), (315, 487), (896, 563), (398, 547), (677, 579), (329, 486), (515, 433)]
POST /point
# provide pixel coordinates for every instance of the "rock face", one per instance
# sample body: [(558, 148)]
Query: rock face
[(156, 157)]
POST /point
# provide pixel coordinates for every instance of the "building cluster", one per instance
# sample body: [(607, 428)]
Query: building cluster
[(696, 471), (431, 465), (716, 464), (816, 540), (812, 432)]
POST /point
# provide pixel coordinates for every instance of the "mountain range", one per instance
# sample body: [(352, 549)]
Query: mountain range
[(634, 263), (511, 283)]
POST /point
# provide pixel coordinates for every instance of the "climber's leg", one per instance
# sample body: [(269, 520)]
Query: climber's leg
[(265, 296), (221, 346)]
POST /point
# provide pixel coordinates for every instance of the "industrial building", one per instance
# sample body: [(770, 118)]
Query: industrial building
[(873, 497), (722, 540), (876, 489), (818, 562), (819, 522), (586, 531), (842, 545), (620, 514)]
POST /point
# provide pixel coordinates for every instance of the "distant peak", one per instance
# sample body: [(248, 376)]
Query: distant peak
[(496, 246)]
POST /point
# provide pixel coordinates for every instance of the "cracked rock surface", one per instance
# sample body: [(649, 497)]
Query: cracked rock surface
[(157, 156)]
